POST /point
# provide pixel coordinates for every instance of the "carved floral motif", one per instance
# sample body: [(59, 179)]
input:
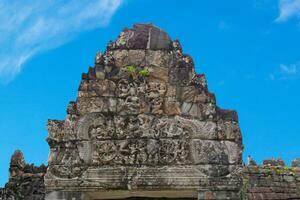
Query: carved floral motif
[(140, 152), (165, 119)]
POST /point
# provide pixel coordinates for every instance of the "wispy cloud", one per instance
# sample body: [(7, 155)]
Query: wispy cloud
[(288, 9), (33, 26), (286, 72), (289, 70)]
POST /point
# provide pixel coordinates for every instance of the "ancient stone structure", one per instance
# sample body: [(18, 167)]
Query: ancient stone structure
[(26, 181), (145, 126), (270, 182)]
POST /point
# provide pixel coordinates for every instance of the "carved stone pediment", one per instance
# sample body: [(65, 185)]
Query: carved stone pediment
[(143, 122)]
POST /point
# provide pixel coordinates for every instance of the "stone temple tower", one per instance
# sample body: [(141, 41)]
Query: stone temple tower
[(144, 126)]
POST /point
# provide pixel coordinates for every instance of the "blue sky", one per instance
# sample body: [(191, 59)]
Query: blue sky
[(248, 50)]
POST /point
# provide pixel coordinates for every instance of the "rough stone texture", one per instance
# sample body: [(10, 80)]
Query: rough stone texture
[(273, 162), (153, 132), (142, 36), (296, 163), (128, 132), (26, 181), (270, 182)]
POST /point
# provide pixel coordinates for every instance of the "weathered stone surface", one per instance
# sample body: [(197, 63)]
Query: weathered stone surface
[(159, 59), (143, 119), (145, 126), (123, 58), (180, 75), (270, 182), (296, 163), (97, 88), (172, 106), (97, 104), (25, 181), (229, 130), (143, 36), (273, 162)]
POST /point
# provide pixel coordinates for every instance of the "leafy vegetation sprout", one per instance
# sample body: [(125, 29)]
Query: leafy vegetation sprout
[(131, 69), (144, 72)]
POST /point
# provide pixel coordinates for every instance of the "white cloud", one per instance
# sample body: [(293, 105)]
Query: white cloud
[(288, 9), (33, 26), (285, 72)]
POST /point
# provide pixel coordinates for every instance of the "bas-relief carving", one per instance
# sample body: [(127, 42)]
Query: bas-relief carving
[(201, 111), (126, 88), (140, 97), (64, 160), (163, 122), (84, 124), (139, 140), (156, 90), (229, 130), (130, 105), (209, 152), (141, 152), (101, 128), (109, 134), (199, 129), (127, 127), (216, 152)]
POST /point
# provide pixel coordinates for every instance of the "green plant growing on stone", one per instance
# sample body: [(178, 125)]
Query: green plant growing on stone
[(131, 69), (144, 72), (287, 168), (268, 172), (135, 72), (284, 171)]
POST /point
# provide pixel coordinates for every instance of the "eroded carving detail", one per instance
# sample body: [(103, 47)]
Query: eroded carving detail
[(105, 151), (168, 151), (141, 152), (64, 161), (101, 128), (126, 123)]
